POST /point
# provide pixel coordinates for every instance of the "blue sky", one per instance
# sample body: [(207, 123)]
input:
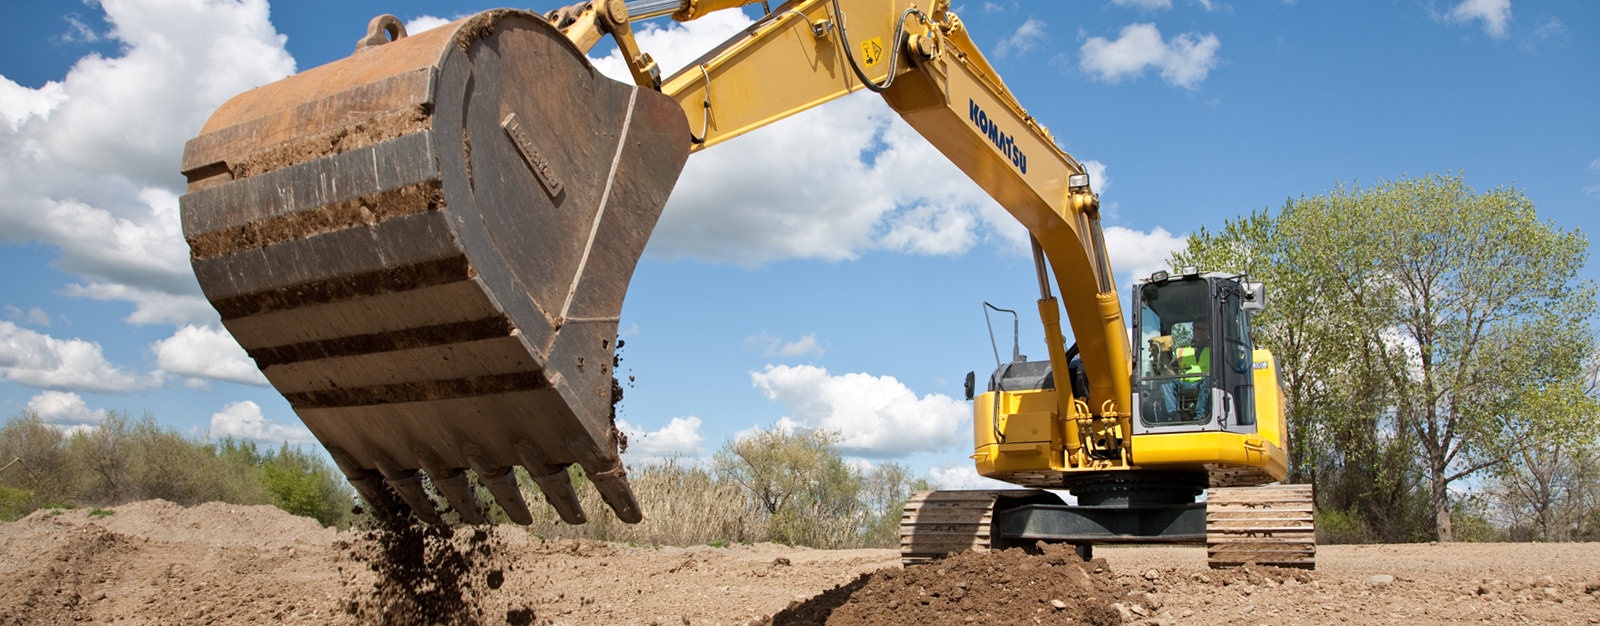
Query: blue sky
[(766, 297)]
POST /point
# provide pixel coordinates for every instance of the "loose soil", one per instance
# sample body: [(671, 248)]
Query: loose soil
[(159, 563)]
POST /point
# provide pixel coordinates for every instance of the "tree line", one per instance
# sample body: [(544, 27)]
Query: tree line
[(1438, 355), (123, 460), (775, 485)]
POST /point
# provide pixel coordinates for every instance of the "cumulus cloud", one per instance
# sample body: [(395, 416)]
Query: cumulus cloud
[(680, 438), (773, 346), (1022, 40), (92, 159), (1184, 60), (201, 354), (243, 420), (64, 409), (43, 362), (1135, 253), (875, 416), (787, 191), (1495, 15)]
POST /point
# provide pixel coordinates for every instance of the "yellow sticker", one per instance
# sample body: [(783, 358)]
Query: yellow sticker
[(872, 51)]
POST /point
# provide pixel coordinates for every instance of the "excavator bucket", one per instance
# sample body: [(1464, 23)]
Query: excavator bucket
[(425, 247)]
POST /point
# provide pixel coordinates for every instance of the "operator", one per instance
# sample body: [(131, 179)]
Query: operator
[(1194, 362)]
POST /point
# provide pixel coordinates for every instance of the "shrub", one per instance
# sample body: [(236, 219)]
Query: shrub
[(1338, 526), (121, 460), (15, 503)]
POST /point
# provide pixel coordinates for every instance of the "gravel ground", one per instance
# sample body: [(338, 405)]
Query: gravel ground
[(158, 563)]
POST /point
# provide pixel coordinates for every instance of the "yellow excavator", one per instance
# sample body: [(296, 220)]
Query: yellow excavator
[(425, 248)]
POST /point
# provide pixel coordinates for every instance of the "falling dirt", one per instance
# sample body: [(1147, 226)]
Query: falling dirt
[(158, 563)]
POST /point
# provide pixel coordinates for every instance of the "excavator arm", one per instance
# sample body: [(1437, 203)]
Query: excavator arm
[(925, 65)]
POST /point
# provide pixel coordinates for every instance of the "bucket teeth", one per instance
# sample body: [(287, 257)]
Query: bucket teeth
[(408, 484), (614, 489), (502, 482), (557, 488), (610, 478), (377, 496), (458, 491), (554, 482)]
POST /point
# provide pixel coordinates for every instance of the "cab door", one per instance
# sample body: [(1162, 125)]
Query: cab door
[(1233, 365)]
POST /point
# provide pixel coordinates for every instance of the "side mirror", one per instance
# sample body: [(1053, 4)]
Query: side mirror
[(972, 381), (1255, 297)]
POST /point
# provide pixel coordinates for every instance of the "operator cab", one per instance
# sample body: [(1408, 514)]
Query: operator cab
[(1193, 353)]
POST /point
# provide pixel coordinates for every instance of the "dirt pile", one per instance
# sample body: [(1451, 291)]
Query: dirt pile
[(1008, 587)]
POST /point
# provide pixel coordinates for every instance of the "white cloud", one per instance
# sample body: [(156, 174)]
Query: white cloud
[(1593, 190), (963, 477), (64, 408), (204, 353), (1022, 40), (243, 420), (129, 115), (150, 306), (34, 315), (44, 362), (1099, 181), (426, 22), (788, 192), (1495, 15), (93, 158), (1135, 253), (19, 104), (773, 346), (680, 438), (77, 31), (1184, 61), (875, 416), (1144, 5), (1551, 31)]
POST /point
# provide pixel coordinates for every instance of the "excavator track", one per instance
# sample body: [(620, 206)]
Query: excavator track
[(936, 524), (940, 523), (425, 247), (1265, 525)]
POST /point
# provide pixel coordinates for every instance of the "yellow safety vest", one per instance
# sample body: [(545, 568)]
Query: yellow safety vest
[(1189, 363)]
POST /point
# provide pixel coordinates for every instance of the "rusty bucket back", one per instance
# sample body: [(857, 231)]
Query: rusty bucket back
[(425, 248)]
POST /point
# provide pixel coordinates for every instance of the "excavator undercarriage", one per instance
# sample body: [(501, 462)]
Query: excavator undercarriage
[(1259, 525), (425, 247)]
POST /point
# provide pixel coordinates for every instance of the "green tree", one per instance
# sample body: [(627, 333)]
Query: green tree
[(304, 484), (36, 462), (1551, 482), (800, 482), (885, 489), (1416, 310), (104, 455)]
